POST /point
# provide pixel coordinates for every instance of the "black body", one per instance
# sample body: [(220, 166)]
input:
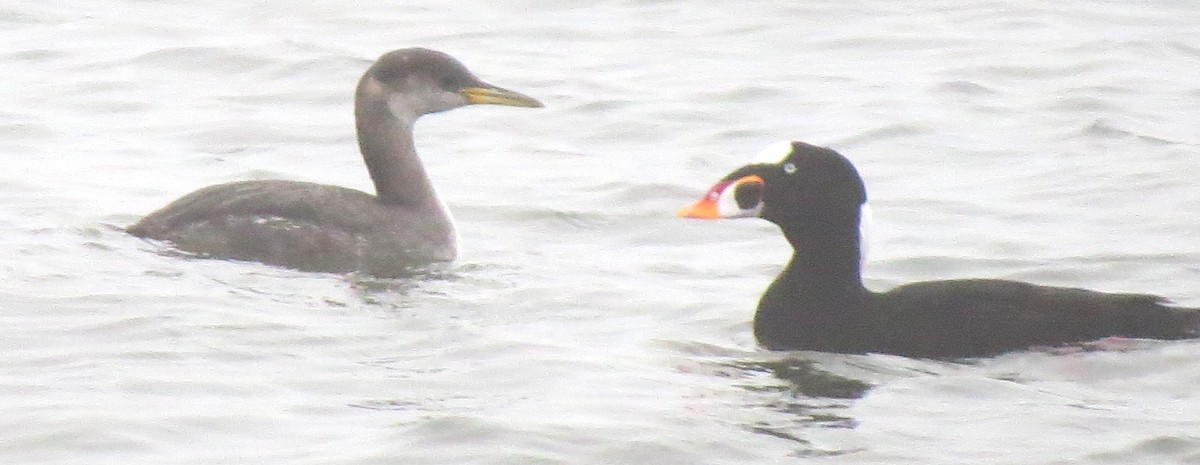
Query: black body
[(819, 302)]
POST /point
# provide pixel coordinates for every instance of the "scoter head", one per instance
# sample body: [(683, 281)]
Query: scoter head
[(418, 81), (791, 184)]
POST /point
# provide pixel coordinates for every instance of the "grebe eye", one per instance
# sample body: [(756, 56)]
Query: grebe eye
[(790, 168)]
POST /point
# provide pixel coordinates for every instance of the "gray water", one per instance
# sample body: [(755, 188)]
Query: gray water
[(1054, 142)]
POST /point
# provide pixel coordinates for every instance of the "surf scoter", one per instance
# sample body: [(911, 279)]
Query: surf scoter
[(818, 302)]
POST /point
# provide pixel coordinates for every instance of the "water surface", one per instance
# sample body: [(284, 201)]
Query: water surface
[(1051, 143)]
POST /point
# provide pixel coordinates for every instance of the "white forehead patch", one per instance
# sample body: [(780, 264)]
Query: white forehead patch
[(774, 153)]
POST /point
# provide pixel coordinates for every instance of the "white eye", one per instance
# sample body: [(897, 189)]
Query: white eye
[(789, 168)]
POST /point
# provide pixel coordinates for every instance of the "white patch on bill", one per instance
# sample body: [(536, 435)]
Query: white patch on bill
[(727, 205)]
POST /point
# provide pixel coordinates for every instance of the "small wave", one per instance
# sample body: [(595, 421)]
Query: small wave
[(892, 42), (1185, 448), (624, 193), (1105, 129), (1071, 71), (16, 15), (519, 214), (891, 131), (39, 55), (964, 87), (802, 376), (327, 62), (1081, 104), (1186, 49), (220, 59), (602, 106), (25, 131), (751, 93)]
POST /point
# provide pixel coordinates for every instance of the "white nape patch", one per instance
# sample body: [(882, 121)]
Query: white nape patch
[(864, 234), (775, 153)]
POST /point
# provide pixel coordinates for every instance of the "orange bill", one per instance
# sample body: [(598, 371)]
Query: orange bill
[(702, 209), (706, 207)]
